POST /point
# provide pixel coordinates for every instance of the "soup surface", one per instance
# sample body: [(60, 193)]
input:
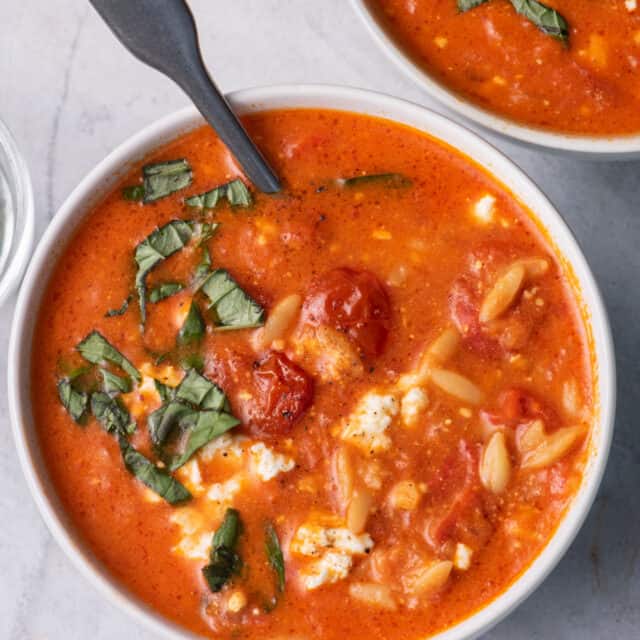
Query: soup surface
[(579, 73), (359, 407)]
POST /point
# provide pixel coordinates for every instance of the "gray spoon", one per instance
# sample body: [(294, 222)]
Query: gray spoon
[(162, 33)]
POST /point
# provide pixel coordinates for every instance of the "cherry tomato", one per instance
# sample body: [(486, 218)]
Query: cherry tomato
[(354, 302), (282, 393)]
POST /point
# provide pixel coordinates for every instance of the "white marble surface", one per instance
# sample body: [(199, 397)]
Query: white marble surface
[(71, 94)]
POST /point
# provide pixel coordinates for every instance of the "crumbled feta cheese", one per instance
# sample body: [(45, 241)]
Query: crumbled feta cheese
[(484, 208), (188, 519), (413, 403), (462, 557), (631, 5), (225, 444), (333, 566), (267, 464), (189, 474), (196, 546), (312, 540), (224, 492), (366, 427)]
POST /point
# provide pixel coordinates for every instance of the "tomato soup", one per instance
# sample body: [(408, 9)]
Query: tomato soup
[(565, 65), (356, 408)]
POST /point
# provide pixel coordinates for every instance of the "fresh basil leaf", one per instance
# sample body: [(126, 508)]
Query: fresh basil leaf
[(465, 5), (193, 328), (164, 420), (235, 192), (203, 269), (133, 193), (97, 349), (121, 311), (164, 290), (193, 361), (155, 248), (164, 178), (74, 401), (113, 384), (207, 426), (158, 480), (205, 231), (224, 561), (274, 555), (548, 20), (164, 390), (233, 308), (393, 180), (199, 391), (111, 414)]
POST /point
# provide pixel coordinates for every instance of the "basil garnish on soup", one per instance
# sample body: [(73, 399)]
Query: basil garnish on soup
[(156, 247), (121, 310), (224, 560), (157, 479), (161, 179), (274, 555), (195, 412), (113, 383), (193, 328), (164, 290), (73, 400), (96, 349), (547, 19), (236, 193), (393, 180), (231, 306), (111, 414)]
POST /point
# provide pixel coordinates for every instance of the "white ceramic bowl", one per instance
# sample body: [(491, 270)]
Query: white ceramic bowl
[(99, 182), (591, 147)]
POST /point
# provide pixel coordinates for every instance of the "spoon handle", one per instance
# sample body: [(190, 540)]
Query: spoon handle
[(163, 35)]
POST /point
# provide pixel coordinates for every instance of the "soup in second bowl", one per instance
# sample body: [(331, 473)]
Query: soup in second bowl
[(566, 65)]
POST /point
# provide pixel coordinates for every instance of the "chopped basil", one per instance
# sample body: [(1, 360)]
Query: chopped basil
[(235, 192), (165, 419), (113, 384), (465, 5), (224, 560), (155, 248), (193, 328), (197, 407), (122, 310), (164, 178), (192, 361), (274, 554), (394, 180), (111, 414), (233, 308), (97, 349), (134, 193), (204, 268), (164, 391), (548, 20), (204, 426), (158, 480), (74, 401), (201, 392), (164, 290)]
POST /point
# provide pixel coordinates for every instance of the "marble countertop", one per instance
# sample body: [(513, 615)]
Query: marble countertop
[(70, 94)]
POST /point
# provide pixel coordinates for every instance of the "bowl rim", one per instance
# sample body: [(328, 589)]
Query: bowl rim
[(610, 147), (305, 96), (19, 251)]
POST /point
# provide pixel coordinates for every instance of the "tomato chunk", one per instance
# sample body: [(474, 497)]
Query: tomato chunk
[(354, 302), (282, 393), (517, 406)]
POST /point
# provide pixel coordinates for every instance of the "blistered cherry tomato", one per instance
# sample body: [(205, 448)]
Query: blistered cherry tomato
[(282, 393), (354, 302)]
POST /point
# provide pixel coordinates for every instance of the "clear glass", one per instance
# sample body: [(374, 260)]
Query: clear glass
[(16, 215)]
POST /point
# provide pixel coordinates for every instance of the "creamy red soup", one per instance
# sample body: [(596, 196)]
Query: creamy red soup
[(359, 407), (566, 65)]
